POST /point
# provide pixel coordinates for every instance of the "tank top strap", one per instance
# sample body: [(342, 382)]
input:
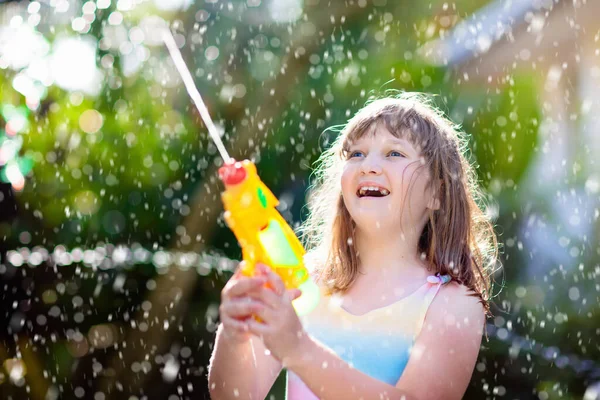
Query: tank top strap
[(435, 282)]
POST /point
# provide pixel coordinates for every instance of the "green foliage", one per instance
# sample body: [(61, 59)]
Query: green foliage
[(503, 129)]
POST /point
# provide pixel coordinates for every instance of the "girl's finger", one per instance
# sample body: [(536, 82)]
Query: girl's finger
[(257, 328), (274, 279), (293, 294), (241, 286), (235, 326), (238, 308), (266, 296), (264, 312)]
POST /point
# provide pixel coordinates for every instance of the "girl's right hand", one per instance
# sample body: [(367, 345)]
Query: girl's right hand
[(237, 306)]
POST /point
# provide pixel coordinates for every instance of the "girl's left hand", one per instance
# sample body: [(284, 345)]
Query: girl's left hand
[(280, 329)]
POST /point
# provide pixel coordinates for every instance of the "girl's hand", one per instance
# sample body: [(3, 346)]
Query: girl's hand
[(237, 305), (280, 328)]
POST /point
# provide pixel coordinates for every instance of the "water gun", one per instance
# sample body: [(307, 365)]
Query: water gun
[(263, 234), (250, 210)]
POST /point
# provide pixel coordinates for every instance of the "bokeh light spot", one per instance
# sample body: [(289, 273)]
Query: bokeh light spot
[(87, 202), (90, 121)]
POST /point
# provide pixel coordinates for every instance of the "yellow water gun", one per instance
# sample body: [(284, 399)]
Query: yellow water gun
[(263, 234), (250, 210)]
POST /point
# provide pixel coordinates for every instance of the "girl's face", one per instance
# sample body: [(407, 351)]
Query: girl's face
[(385, 184)]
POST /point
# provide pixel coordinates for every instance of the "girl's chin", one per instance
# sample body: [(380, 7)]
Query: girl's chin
[(383, 204), (373, 199), (374, 206)]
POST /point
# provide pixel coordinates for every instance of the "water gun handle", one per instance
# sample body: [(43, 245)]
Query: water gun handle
[(263, 234)]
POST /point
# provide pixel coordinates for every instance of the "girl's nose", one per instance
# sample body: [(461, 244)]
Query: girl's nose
[(370, 165)]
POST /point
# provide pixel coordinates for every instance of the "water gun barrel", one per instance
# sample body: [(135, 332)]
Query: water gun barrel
[(263, 234)]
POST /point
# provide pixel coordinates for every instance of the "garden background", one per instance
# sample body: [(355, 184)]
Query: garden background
[(112, 243)]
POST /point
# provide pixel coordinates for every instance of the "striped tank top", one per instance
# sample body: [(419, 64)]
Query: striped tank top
[(377, 343)]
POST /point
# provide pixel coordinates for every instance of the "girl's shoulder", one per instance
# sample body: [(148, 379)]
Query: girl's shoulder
[(454, 291), (454, 303)]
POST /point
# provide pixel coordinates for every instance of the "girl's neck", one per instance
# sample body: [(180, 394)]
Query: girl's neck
[(388, 254)]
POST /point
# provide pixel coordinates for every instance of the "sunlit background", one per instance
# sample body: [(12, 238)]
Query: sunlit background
[(112, 242)]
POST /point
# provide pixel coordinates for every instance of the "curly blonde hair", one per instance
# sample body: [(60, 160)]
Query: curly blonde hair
[(458, 238)]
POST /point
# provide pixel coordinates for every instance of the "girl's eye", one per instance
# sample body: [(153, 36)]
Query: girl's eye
[(355, 154), (394, 153)]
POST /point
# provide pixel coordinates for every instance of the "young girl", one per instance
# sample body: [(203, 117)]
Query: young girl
[(403, 254)]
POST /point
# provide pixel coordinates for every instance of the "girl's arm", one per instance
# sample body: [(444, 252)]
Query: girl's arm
[(440, 366), (444, 355), (241, 370), (240, 366)]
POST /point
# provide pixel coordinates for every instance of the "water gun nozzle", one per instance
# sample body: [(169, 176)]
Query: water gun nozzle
[(232, 172)]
